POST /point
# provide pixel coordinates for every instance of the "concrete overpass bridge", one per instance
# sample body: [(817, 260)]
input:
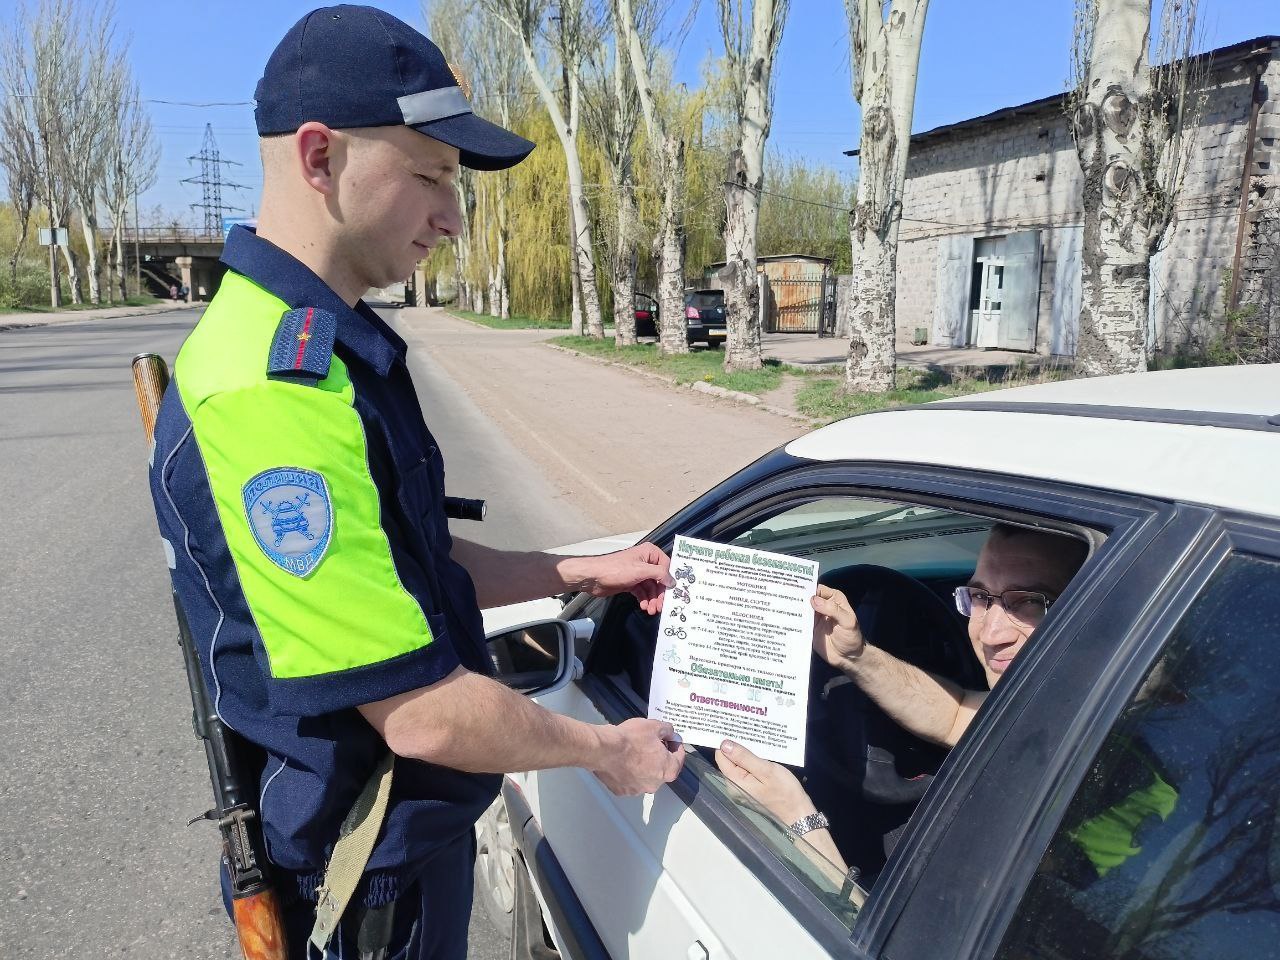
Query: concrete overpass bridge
[(190, 257), (186, 256)]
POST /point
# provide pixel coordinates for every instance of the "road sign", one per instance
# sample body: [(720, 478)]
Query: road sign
[(46, 237)]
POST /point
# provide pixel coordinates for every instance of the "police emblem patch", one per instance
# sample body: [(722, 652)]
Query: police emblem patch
[(291, 516)]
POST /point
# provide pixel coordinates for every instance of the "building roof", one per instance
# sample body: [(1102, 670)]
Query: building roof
[(1057, 102), (1207, 436)]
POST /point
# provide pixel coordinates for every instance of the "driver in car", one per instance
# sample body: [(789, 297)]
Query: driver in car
[(1019, 574)]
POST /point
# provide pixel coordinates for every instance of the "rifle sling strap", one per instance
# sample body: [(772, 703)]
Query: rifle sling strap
[(351, 853)]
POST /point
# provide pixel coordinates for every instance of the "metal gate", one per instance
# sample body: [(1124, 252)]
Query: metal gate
[(802, 306)]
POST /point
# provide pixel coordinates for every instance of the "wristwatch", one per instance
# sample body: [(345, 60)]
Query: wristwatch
[(814, 821)]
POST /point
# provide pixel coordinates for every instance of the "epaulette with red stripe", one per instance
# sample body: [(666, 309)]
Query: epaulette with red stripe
[(303, 344)]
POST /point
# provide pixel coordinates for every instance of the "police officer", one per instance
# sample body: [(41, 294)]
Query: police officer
[(300, 495)]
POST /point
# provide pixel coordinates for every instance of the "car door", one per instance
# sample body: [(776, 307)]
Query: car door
[(1153, 828), (696, 870)]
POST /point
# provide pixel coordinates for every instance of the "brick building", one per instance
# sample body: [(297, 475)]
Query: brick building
[(989, 252)]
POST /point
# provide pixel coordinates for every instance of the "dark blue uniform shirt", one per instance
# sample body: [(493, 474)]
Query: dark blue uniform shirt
[(317, 750)]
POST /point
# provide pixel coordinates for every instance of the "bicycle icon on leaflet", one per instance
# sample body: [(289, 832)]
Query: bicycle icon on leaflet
[(678, 632)]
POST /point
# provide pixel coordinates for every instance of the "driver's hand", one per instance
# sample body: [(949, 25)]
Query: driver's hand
[(770, 784), (836, 635)]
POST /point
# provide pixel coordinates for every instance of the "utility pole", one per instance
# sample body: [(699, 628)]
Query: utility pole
[(210, 180), (55, 282)]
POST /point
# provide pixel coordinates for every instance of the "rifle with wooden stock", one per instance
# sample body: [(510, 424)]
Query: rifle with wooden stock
[(255, 905)]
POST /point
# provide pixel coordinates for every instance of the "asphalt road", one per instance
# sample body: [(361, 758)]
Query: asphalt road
[(99, 770)]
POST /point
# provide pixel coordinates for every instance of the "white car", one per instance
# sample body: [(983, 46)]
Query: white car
[(1118, 794)]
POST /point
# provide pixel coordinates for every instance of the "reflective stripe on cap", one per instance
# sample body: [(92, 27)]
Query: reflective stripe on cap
[(432, 105)]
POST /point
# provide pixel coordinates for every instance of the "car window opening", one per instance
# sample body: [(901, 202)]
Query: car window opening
[(899, 565)]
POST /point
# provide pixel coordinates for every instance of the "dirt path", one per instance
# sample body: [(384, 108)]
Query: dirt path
[(626, 451)]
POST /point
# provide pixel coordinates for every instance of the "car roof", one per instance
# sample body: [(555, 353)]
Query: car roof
[(1209, 435)]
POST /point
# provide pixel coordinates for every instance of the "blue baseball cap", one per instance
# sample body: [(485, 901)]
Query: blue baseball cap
[(355, 66)]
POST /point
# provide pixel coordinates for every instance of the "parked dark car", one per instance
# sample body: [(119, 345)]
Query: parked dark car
[(704, 311), (646, 315)]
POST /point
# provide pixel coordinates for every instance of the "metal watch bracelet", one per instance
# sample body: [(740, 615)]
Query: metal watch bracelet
[(814, 821)]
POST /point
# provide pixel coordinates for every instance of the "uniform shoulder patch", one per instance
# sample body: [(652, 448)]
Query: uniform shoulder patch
[(291, 516), (303, 345)]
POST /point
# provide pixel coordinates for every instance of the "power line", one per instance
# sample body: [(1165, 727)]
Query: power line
[(783, 196)]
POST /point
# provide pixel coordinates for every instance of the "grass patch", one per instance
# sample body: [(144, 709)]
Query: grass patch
[(821, 395), (704, 365), (143, 301), (510, 323), (824, 398)]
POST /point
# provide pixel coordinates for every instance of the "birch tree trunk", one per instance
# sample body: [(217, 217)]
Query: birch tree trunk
[(462, 242), (576, 324), (524, 18), (886, 62), (89, 228), (1130, 124), (1115, 281), (673, 332), (624, 269), (751, 72), (667, 151)]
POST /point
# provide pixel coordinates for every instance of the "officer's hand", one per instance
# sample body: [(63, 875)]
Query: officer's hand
[(640, 756), (836, 635), (643, 570), (770, 784)]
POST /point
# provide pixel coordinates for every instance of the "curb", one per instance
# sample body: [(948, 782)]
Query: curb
[(710, 389), (76, 316)]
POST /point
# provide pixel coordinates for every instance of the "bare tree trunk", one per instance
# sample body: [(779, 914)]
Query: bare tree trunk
[(751, 71), (72, 261), (24, 225), (89, 228), (1129, 122), (741, 289), (886, 55), (583, 251), (624, 269), (576, 322), (673, 328), (576, 31), (1115, 284), (504, 286), (121, 266), (667, 153)]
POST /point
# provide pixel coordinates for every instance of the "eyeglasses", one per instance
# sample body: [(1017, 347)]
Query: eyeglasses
[(1025, 606)]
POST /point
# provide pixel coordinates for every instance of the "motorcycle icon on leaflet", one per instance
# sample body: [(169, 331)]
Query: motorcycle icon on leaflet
[(685, 573), (681, 594)]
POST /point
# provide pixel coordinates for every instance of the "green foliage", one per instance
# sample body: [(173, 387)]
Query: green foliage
[(1242, 336), (824, 398), (31, 289), (808, 217), (706, 366), (805, 210)]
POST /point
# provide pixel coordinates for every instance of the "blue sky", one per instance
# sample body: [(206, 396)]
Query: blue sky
[(977, 57)]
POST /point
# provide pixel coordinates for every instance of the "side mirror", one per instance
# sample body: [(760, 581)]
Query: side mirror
[(536, 657)]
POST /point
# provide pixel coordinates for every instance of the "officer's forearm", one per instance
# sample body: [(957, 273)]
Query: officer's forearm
[(471, 723), (509, 576)]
